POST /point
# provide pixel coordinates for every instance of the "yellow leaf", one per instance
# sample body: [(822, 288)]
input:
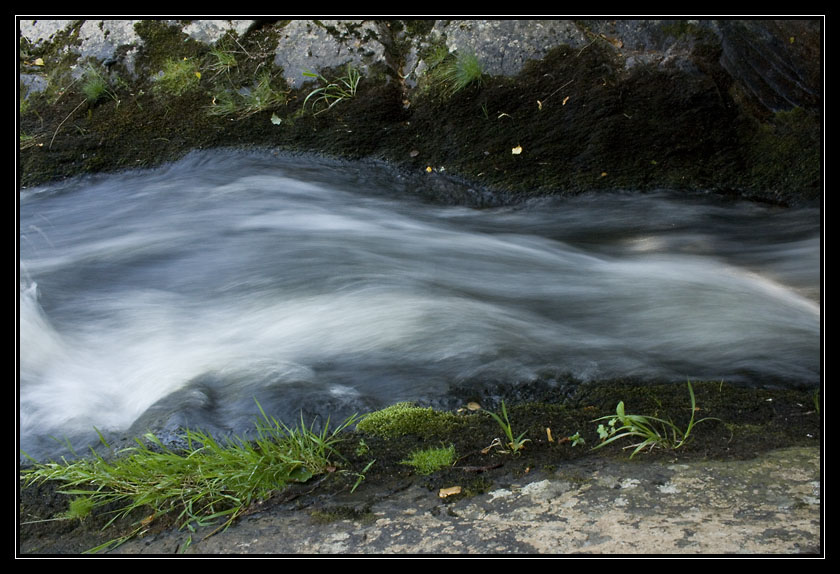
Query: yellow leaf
[(452, 490), (198, 75), (517, 150), (548, 433), (38, 62), (473, 406), (428, 169), (603, 174)]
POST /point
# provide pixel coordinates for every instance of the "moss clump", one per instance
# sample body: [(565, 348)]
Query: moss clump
[(430, 460), (80, 508), (405, 418)]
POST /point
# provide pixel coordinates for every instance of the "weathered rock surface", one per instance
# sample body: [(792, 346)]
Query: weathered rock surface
[(768, 505)]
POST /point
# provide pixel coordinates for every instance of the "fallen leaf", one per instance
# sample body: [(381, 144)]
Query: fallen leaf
[(198, 75), (413, 153), (473, 406), (38, 62), (548, 433), (539, 105), (517, 150), (603, 174), (566, 99), (428, 169), (275, 119), (451, 491)]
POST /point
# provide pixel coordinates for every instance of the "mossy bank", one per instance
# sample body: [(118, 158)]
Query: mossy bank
[(566, 107)]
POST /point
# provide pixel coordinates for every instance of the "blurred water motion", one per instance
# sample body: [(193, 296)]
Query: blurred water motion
[(196, 288)]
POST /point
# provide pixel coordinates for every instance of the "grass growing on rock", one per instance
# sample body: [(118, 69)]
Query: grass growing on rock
[(207, 481), (248, 101), (753, 421), (178, 77), (452, 73)]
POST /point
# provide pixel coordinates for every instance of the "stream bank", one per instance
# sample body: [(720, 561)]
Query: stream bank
[(542, 107), (637, 105)]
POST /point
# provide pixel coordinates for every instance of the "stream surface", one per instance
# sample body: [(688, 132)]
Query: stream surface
[(180, 295)]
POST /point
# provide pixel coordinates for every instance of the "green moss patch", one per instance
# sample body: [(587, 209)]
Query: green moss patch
[(407, 419), (429, 460)]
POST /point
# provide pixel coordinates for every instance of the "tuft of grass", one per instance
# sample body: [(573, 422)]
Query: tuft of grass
[(331, 93), (207, 481), (243, 104), (177, 77), (455, 72), (95, 86), (515, 444), (222, 61), (654, 432), (431, 460)]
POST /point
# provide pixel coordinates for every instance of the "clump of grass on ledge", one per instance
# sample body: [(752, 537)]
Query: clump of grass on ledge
[(178, 77), (653, 432), (208, 481), (453, 73), (95, 86), (248, 102), (331, 93), (430, 460)]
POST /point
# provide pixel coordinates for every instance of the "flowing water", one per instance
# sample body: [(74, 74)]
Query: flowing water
[(180, 295)]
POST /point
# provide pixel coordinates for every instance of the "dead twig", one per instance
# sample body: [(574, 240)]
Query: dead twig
[(64, 120)]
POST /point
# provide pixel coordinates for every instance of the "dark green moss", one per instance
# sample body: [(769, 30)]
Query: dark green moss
[(407, 419), (784, 154)]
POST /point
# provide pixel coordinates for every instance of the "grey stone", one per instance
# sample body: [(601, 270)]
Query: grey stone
[(211, 31), (306, 45), (504, 46), (40, 31)]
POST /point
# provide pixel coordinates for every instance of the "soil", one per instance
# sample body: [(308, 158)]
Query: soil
[(747, 481)]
